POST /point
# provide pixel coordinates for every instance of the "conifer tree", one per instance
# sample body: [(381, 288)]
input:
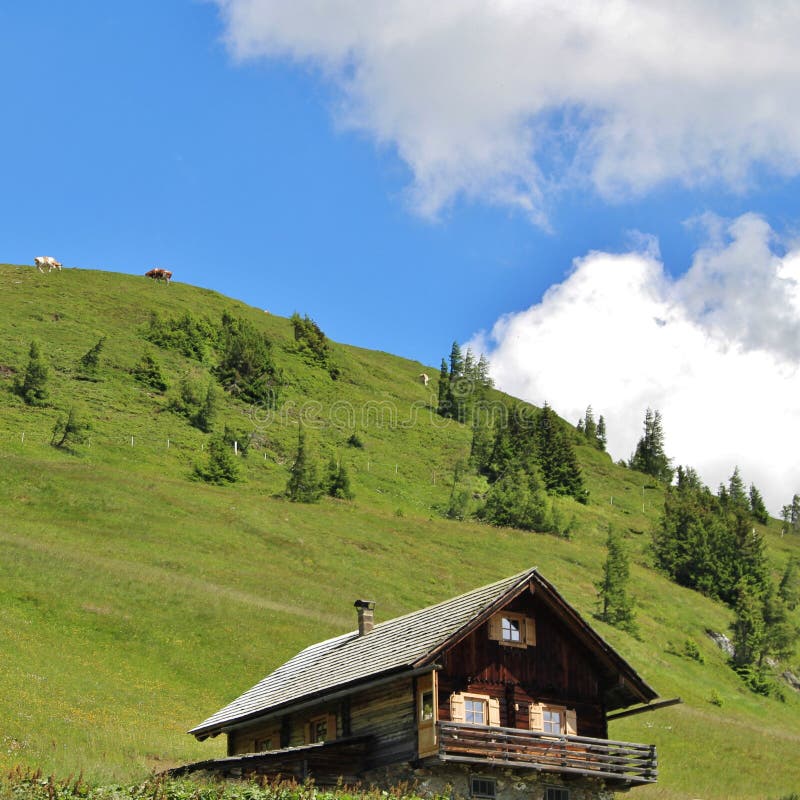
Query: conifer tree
[(456, 361), (517, 500), (590, 426), (601, 433), (445, 404), (33, 386), (616, 605), (221, 467), (206, 414), (482, 371), (304, 485), (649, 456), (555, 456), (748, 626), (789, 587), (90, 360), (148, 372), (338, 483), (757, 507), (70, 430)]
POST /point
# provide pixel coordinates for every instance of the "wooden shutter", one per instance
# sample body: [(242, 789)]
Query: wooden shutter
[(457, 711), (496, 627), (307, 733), (530, 632), (536, 717), (572, 722), (494, 712), (331, 725)]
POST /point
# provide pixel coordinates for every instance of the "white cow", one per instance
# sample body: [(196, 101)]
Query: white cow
[(46, 261), (423, 378)]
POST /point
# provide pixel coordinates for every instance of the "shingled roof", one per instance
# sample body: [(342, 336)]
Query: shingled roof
[(405, 644)]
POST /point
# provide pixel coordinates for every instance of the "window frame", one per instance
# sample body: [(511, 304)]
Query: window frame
[(525, 625), (556, 793), (489, 784)]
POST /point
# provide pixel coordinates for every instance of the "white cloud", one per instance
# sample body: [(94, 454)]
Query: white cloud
[(508, 100), (717, 351)]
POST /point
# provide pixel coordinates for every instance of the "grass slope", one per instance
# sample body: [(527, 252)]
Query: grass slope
[(134, 602)]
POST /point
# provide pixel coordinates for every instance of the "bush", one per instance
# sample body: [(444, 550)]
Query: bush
[(221, 467), (70, 430), (148, 372)]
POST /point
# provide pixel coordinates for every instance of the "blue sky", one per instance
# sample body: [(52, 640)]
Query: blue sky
[(411, 177)]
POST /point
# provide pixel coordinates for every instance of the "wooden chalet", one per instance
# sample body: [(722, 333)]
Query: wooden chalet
[(502, 692)]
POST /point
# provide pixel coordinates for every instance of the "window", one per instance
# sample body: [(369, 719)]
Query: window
[(475, 711), (262, 744), (552, 720), (319, 730), (512, 629), (426, 711), (555, 793), (482, 787)]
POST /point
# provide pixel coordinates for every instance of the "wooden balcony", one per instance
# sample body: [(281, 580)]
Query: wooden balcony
[(619, 764)]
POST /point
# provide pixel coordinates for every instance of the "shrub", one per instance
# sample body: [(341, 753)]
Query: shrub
[(221, 467), (148, 372)]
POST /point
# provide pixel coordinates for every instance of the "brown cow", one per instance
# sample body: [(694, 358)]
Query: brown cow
[(158, 274)]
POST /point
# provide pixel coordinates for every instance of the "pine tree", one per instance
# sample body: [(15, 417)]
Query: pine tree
[(649, 456), (555, 456), (445, 404), (601, 433), (90, 361), (590, 426), (789, 587), (616, 606), (757, 507), (303, 485), (33, 387), (338, 482), (736, 495), (484, 379), (456, 361), (206, 414), (748, 627), (518, 500)]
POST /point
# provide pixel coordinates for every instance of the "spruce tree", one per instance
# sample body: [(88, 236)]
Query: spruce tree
[(555, 456), (615, 605), (338, 481), (148, 372), (748, 627), (445, 404), (206, 413), (757, 507), (90, 361), (456, 361), (33, 386), (789, 587), (649, 456), (590, 426), (303, 485), (601, 433)]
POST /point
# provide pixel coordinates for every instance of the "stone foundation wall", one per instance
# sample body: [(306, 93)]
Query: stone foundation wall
[(454, 781)]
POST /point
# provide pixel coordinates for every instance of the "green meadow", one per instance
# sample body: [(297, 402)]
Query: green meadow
[(135, 601)]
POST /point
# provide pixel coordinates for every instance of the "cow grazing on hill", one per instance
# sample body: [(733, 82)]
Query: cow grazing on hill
[(46, 261), (158, 274)]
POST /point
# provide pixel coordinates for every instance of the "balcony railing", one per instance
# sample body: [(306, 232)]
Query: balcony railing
[(620, 763)]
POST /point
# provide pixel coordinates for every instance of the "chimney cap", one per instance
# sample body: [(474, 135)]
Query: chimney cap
[(369, 605)]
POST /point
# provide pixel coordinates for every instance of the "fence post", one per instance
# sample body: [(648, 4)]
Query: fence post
[(131, 441)]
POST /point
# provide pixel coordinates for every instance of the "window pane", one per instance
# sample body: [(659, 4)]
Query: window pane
[(426, 712), (551, 721), (511, 630), (475, 712)]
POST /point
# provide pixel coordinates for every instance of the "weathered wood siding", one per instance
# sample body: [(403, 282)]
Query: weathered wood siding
[(387, 713), (384, 712), (558, 670)]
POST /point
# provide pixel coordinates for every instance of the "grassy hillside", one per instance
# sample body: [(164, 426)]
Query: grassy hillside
[(135, 601)]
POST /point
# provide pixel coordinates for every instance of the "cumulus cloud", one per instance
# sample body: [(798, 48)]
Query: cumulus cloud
[(717, 351), (507, 101)]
